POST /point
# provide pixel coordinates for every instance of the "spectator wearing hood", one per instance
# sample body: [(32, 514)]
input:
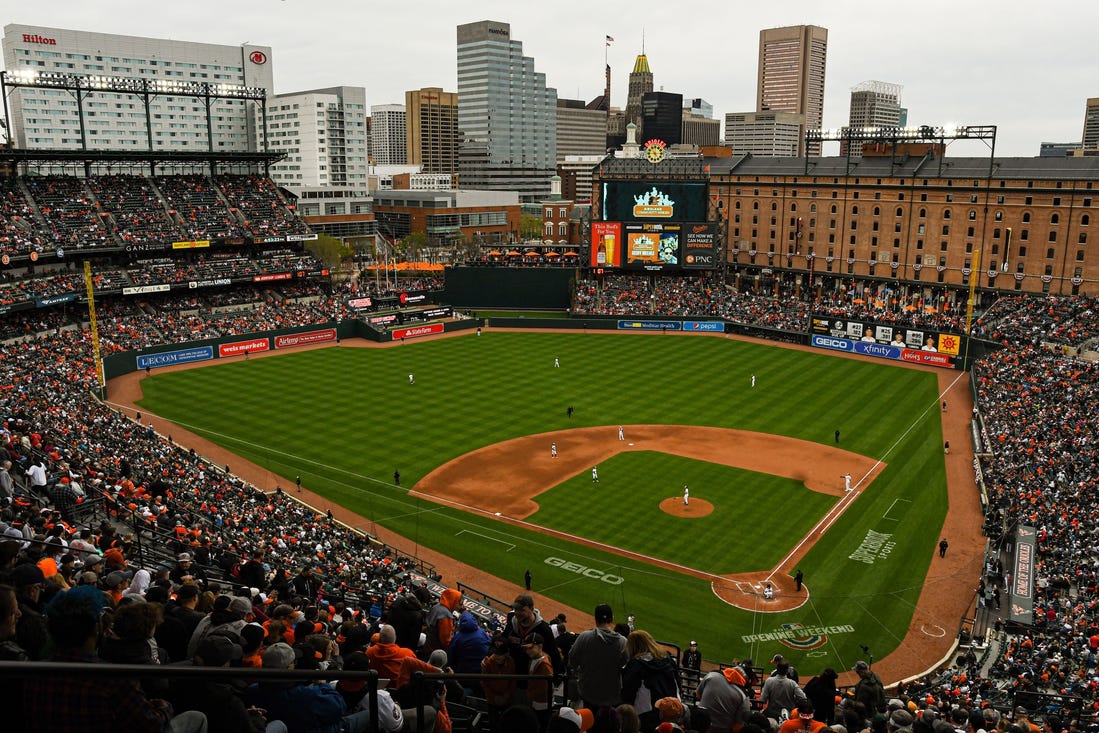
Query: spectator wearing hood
[(649, 675), (439, 624), (231, 612), (821, 691), (407, 614), (468, 646)]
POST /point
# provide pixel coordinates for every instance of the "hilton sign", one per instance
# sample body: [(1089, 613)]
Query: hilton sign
[(35, 38)]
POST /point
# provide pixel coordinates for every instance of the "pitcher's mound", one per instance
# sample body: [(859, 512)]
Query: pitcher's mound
[(697, 507)]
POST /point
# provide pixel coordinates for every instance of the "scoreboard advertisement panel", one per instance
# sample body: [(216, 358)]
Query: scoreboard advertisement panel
[(652, 246), (631, 201), (886, 341), (606, 244), (699, 246)]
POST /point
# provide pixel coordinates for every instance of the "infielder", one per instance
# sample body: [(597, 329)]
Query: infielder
[(553, 450), (595, 474), (846, 482), (621, 435)]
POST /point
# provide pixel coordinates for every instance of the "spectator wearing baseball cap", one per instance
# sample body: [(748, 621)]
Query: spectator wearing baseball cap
[(572, 720), (30, 631), (498, 693), (220, 700), (539, 692), (524, 620), (230, 613), (869, 690), (596, 660), (300, 705)]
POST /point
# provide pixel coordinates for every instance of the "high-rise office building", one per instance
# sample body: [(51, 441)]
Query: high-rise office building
[(581, 130), (432, 129), (765, 134), (1091, 124), (118, 120), (662, 116), (323, 133), (641, 83), (507, 116), (388, 134), (873, 104), (791, 74)]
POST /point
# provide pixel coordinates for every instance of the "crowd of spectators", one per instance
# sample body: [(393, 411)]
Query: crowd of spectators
[(1038, 407), (38, 213)]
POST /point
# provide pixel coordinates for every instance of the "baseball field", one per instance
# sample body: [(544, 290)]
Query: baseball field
[(472, 439)]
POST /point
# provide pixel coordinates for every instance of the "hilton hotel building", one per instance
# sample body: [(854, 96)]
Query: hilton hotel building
[(49, 118)]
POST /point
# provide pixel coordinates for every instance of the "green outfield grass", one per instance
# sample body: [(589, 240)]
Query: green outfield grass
[(344, 419)]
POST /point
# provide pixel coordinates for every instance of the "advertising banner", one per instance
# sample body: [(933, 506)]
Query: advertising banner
[(305, 338), (162, 288), (606, 244), (1022, 576), (272, 276), (55, 300), (243, 348), (182, 356), (359, 303), (415, 331), (699, 243), (700, 326), (654, 201), (217, 282), (650, 325), (652, 246), (197, 244), (383, 320), (882, 351)]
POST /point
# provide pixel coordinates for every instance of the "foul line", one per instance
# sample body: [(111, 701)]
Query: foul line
[(461, 532), (886, 516), (841, 506)]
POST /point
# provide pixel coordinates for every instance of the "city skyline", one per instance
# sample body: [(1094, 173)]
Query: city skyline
[(1028, 72)]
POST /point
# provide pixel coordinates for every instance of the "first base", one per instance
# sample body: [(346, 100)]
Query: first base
[(497, 513)]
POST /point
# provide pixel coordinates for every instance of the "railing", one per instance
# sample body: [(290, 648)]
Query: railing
[(420, 681)]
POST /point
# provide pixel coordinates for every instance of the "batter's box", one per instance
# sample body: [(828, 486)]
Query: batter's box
[(747, 587)]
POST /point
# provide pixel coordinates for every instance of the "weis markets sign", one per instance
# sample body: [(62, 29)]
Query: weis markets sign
[(241, 347)]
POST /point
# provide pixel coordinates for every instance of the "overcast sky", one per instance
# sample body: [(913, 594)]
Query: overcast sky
[(1023, 66)]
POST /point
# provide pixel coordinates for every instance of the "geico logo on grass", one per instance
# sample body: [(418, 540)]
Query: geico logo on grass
[(584, 570)]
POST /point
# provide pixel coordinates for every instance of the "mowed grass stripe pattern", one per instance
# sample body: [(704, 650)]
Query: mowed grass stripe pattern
[(345, 418)]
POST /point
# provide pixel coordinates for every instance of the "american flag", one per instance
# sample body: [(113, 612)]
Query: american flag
[(609, 40)]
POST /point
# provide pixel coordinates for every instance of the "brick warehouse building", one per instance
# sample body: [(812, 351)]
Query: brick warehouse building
[(918, 219), (921, 220)]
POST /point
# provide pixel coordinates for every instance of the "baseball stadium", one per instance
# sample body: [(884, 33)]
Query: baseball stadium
[(763, 457)]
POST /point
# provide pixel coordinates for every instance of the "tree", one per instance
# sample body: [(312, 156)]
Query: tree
[(412, 246), (329, 250), (530, 226)]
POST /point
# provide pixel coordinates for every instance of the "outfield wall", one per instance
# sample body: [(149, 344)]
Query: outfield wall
[(529, 288)]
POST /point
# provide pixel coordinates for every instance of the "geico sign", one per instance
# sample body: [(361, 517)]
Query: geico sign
[(584, 570)]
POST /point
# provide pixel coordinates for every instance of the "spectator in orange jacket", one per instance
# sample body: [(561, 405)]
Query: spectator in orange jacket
[(385, 656)]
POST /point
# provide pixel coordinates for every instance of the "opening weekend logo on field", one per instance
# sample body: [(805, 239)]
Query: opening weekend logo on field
[(799, 636)]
